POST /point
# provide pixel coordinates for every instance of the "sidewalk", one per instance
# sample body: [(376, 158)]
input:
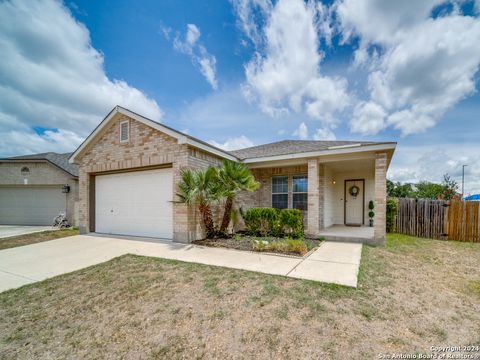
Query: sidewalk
[(332, 262)]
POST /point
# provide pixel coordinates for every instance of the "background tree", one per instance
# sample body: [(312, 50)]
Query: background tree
[(396, 189), (447, 190), (450, 187), (234, 177), (429, 190)]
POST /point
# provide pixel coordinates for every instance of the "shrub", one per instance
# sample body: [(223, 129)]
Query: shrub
[(291, 223), (391, 217), (263, 221), (296, 246), (274, 222), (371, 206)]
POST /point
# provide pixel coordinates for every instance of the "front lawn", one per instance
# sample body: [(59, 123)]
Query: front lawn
[(412, 294), (28, 239)]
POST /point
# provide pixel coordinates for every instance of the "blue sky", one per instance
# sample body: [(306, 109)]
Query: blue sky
[(243, 72)]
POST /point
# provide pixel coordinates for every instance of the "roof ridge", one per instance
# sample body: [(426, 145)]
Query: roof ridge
[(59, 160)]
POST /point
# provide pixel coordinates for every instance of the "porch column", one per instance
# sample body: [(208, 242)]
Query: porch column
[(316, 184), (380, 198)]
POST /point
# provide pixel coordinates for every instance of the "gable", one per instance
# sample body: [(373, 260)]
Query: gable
[(119, 112), (39, 172), (143, 141)]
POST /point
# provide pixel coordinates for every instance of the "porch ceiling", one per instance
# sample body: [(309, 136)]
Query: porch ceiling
[(351, 165)]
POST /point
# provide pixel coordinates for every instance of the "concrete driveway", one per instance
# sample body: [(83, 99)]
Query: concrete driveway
[(332, 262), (15, 230)]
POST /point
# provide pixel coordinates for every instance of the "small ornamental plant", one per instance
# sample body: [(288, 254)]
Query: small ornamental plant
[(371, 214)]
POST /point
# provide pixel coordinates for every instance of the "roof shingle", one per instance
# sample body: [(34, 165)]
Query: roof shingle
[(60, 160), (286, 147)]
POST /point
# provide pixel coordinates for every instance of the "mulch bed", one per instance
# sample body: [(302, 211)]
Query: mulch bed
[(245, 243)]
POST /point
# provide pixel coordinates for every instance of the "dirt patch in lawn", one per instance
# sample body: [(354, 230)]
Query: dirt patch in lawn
[(250, 243), (412, 294), (28, 239)]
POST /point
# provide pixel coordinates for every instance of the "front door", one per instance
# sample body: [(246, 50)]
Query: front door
[(354, 202)]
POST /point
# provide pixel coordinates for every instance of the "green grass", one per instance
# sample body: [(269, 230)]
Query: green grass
[(412, 293), (34, 238)]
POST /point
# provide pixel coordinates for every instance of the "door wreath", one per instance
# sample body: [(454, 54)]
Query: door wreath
[(354, 191)]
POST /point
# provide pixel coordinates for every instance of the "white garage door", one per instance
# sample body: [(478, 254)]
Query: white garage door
[(30, 205), (135, 203)]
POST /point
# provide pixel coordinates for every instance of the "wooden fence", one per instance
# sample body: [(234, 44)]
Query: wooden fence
[(462, 222), (439, 219)]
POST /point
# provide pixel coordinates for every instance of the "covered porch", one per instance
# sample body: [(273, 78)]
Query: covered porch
[(339, 193), (333, 193)]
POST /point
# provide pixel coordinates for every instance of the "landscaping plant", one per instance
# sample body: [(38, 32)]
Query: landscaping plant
[(262, 221), (391, 216), (233, 177), (274, 222), (371, 214), (296, 246), (291, 223), (200, 188)]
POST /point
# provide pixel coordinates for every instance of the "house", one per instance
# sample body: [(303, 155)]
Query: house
[(129, 167), (34, 189)]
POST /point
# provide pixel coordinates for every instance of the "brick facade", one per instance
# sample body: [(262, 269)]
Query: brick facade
[(316, 197), (263, 196), (380, 197), (146, 148), (42, 174)]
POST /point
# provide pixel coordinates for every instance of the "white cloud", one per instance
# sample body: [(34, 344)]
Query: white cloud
[(301, 132), (425, 65), (234, 143), (379, 21), (52, 77), (368, 118), (324, 134), (208, 67), (420, 162), (165, 31), (193, 33), (284, 75), (14, 142), (199, 55), (246, 19)]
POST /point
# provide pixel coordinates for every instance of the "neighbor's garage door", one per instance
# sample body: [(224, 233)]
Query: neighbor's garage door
[(135, 203), (30, 205)]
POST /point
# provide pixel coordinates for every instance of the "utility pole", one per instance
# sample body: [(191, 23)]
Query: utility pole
[(463, 180)]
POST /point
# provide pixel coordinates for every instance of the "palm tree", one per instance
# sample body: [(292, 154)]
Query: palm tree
[(200, 188), (234, 177)]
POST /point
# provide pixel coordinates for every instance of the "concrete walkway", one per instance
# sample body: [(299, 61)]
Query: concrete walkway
[(7, 231), (333, 262)]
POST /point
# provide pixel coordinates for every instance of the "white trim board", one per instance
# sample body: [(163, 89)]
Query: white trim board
[(310, 154)]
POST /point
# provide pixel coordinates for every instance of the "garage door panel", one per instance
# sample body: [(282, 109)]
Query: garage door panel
[(135, 203), (30, 205)]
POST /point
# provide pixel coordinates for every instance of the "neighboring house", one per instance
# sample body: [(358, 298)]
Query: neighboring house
[(36, 188), (129, 167)]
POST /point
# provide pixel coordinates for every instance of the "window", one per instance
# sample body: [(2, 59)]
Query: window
[(124, 130), (300, 192), (280, 192), (25, 171)]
